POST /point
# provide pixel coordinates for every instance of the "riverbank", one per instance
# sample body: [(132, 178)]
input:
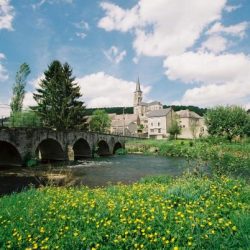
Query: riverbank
[(156, 213), (223, 157)]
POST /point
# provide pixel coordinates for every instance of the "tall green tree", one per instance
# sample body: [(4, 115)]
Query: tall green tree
[(174, 130), (100, 121), (57, 98), (229, 122), (19, 88)]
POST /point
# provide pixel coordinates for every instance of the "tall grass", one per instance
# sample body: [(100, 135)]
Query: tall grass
[(156, 213)]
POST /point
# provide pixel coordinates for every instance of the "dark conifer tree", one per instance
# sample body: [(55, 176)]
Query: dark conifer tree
[(58, 99)]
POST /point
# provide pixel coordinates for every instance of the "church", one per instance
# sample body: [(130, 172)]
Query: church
[(153, 121)]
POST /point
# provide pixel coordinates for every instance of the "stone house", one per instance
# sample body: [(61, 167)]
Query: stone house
[(192, 125), (126, 124), (159, 121)]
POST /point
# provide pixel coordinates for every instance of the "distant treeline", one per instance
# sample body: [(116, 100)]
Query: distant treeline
[(129, 110)]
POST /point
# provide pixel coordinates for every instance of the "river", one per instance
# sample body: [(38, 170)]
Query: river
[(93, 172)]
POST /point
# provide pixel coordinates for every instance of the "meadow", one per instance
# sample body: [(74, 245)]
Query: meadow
[(155, 213)]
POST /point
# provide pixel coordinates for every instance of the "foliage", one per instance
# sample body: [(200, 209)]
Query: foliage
[(24, 119), (112, 110), (188, 213), (229, 122), (129, 110), (100, 121), (174, 130), (194, 127), (121, 151), (19, 88), (57, 99)]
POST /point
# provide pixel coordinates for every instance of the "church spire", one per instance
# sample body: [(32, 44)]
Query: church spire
[(138, 87)]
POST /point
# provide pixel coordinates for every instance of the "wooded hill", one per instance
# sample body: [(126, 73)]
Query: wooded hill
[(129, 110)]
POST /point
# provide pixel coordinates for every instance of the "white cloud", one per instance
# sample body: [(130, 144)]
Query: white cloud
[(135, 60), (6, 15), (29, 100), (4, 110), (233, 30), (230, 8), (42, 2), (225, 79), (82, 35), (215, 43), (208, 68), (103, 90), (3, 72), (82, 27), (114, 55), (162, 27), (36, 81)]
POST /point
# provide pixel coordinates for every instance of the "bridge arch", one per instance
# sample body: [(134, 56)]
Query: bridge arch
[(117, 146), (103, 148), (82, 149), (50, 150), (9, 155)]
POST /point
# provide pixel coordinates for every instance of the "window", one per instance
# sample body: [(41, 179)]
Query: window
[(159, 124), (151, 130), (159, 130), (151, 124), (183, 126)]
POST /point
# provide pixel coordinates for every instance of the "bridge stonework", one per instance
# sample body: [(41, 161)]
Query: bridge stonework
[(49, 144)]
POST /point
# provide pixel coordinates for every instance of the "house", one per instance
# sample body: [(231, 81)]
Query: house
[(159, 121), (125, 124), (192, 125)]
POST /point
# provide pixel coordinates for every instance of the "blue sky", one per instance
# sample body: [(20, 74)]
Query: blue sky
[(185, 51)]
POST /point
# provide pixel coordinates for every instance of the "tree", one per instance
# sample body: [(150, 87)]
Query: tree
[(174, 130), (25, 119), (229, 122), (100, 121), (194, 126), (57, 99), (19, 88)]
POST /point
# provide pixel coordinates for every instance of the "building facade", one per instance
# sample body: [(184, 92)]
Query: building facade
[(159, 121), (192, 125)]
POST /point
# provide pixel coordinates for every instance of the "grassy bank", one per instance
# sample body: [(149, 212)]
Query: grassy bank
[(157, 213), (223, 157)]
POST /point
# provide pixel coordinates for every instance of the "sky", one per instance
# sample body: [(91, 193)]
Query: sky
[(186, 52)]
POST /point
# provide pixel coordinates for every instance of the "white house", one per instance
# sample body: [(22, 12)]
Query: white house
[(159, 121)]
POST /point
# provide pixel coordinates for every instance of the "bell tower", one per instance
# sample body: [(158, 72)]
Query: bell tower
[(137, 94)]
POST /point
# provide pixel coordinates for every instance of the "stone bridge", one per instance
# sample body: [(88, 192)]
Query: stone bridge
[(17, 144)]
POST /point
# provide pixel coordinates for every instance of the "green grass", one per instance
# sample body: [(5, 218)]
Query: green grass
[(155, 213)]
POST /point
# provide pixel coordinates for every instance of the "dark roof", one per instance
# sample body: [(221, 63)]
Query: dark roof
[(159, 112)]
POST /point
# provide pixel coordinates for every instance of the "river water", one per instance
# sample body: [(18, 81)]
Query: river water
[(93, 172)]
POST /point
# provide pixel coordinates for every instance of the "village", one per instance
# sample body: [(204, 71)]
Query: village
[(151, 120)]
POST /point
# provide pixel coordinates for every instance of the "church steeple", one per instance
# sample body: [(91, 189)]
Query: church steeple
[(137, 94), (138, 87)]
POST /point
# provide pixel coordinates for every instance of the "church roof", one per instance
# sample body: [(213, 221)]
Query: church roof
[(159, 112), (138, 86), (187, 114), (154, 103)]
